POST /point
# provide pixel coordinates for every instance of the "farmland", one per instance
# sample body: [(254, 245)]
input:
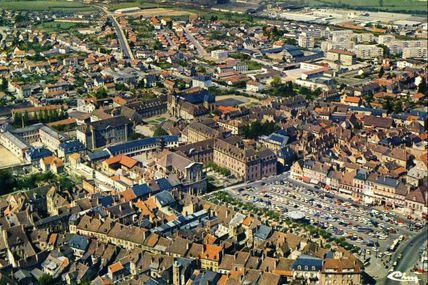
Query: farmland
[(59, 5)]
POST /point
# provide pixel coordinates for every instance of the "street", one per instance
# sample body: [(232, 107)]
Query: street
[(123, 42), (410, 252), (201, 50)]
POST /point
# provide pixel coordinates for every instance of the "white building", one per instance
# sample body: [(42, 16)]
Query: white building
[(306, 40), (364, 38), (219, 54), (368, 51), (50, 138), (415, 52), (254, 86), (13, 144), (385, 39)]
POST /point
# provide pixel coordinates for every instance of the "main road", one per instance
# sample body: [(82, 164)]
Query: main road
[(123, 42), (410, 254)]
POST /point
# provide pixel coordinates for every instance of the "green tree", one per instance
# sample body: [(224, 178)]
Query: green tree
[(160, 132), (398, 107), (388, 105), (276, 81), (422, 87), (385, 50), (46, 279), (7, 182), (4, 84), (381, 72), (25, 119), (256, 129)]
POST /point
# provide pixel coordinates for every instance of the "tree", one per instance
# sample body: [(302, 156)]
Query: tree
[(388, 105), (4, 84), (25, 119), (398, 107), (385, 51), (7, 182), (156, 45), (422, 87), (256, 129), (46, 279), (160, 132), (381, 72), (276, 81)]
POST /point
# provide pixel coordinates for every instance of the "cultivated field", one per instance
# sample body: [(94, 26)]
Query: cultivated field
[(59, 5), (160, 12)]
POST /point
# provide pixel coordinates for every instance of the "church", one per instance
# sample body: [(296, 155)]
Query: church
[(191, 103)]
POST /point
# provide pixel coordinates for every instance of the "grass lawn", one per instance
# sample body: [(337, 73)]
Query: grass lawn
[(60, 5)]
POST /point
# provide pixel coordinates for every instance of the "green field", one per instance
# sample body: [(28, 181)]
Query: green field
[(141, 4), (59, 5), (60, 26), (383, 5)]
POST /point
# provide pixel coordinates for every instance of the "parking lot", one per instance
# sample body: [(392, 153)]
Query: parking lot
[(377, 233)]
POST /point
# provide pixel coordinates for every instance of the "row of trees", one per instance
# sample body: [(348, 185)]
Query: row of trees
[(44, 116), (217, 168), (288, 89)]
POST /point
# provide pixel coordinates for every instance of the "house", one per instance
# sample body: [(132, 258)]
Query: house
[(53, 164), (117, 272), (118, 162), (274, 141), (417, 202), (377, 122), (78, 245), (55, 264), (340, 271), (211, 256), (202, 82), (307, 267), (254, 86)]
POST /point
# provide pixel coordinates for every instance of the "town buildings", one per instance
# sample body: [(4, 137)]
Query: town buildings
[(117, 132)]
